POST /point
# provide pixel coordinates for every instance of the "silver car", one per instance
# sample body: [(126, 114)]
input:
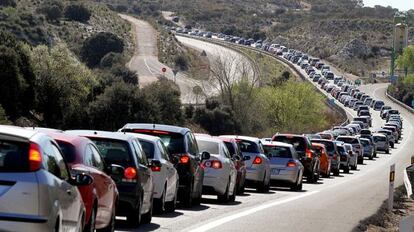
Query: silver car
[(344, 156), (368, 148), (353, 156), (356, 145), (165, 175), (38, 193), (381, 142), (286, 168), (258, 166), (220, 174)]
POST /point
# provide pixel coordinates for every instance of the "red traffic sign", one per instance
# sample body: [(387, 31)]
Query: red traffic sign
[(163, 70)]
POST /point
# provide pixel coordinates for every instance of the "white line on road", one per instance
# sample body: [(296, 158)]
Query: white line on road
[(221, 221), (148, 67)]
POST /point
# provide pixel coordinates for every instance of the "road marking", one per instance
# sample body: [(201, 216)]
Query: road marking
[(148, 67), (247, 212)]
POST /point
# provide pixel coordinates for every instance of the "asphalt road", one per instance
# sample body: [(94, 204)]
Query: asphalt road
[(334, 204)]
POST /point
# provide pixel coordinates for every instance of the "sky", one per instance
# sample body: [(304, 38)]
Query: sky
[(402, 5)]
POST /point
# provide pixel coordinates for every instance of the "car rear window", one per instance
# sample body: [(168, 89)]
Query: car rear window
[(348, 140), (364, 142), (341, 150), (13, 156), (248, 146), (277, 151), (69, 151), (330, 147), (209, 146), (298, 142), (380, 138), (173, 141), (114, 151), (148, 148)]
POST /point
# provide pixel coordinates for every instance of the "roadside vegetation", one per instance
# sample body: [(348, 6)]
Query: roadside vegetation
[(403, 90)]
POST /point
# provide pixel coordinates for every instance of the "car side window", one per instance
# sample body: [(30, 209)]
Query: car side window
[(226, 152), (163, 151), (62, 169), (97, 158), (88, 157), (192, 145), (142, 158), (49, 160)]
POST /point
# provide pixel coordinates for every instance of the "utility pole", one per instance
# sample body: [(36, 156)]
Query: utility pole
[(399, 40)]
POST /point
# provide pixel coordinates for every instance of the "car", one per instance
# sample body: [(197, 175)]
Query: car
[(394, 131), (364, 113), (182, 145), (365, 120), (389, 134), (356, 145), (307, 156), (390, 112), (38, 191), (378, 105), (344, 156), (286, 169), (333, 153), (368, 148), (165, 176), (239, 162), (353, 156), (381, 142), (100, 197), (220, 174), (326, 135), (135, 187), (258, 166), (325, 166)]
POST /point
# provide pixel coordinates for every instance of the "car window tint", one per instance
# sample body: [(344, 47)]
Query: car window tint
[(163, 151), (61, 165), (114, 151), (298, 142), (208, 146), (142, 157), (88, 157), (231, 148), (97, 158), (68, 150), (166, 152), (148, 148), (248, 146), (192, 144), (277, 151), (49, 160), (13, 156), (226, 152)]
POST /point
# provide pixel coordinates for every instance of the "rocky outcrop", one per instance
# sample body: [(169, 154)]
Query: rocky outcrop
[(356, 48)]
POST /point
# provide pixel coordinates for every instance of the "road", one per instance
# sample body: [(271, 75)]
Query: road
[(334, 204)]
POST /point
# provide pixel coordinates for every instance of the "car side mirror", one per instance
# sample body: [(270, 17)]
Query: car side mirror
[(81, 179), (155, 163), (245, 158), (205, 155)]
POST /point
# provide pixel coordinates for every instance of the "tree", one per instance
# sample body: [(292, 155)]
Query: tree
[(97, 46), (53, 9), (3, 117), (77, 12), (6, 3), (63, 86), (215, 119), (124, 74), (406, 60)]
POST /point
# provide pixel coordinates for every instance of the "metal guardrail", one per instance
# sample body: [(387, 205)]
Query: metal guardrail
[(402, 104)]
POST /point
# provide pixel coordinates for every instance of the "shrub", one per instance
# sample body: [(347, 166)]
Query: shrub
[(6, 3), (77, 12), (53, 10), (97, 46), (181, 62), (111, 59)]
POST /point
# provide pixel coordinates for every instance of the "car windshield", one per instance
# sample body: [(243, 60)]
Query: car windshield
[(297, 142), (209, 146), (348, 140), (68, 150), (13, 156), (277, 151), (248, 146), (114, 151), (148, 148)]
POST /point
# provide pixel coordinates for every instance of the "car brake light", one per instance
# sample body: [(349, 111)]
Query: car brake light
[(291, 164), (257, 160), (155, 169), (184, 159), (130, 173), (308, 154), (335, 157), (35, 157), (216, 164)]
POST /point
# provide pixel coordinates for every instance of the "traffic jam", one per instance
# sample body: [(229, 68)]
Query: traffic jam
[(54, 180)]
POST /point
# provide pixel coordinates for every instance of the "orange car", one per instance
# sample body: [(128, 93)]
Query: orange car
[(325, 167)]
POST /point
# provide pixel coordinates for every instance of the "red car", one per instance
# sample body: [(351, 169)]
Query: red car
[(100, 197), (239, 163)]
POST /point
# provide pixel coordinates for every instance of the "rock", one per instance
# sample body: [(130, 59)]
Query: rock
[(354, 48)]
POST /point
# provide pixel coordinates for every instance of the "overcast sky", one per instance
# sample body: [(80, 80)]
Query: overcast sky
[(402, 5)]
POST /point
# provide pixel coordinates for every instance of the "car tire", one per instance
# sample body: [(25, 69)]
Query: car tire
[(233, 196), (134, 217), (111, 226), (225, 197), (160, 203), (188, 198), (146, 218), (90, 227), (371, 157), (346, 169), (297, 186), (387, 151), (172, 205), (240, 191), (311, 178), (354, 167), (336, 172)]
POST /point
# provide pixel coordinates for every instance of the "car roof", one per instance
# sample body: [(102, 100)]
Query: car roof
[(101, 134), (209, 139), (380, 135), (274, 143), (145, 137), (248, 138), (161, 127), (17, 131), (69, 138)]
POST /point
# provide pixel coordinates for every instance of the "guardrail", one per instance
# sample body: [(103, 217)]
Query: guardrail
[(402, 104), (335, 107)]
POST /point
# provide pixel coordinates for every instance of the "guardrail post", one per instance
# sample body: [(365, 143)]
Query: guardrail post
[(391, 188)]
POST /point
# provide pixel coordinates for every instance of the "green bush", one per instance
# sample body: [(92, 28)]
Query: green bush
[(77, 12), (97, 46), (53, 10), (3, 117), (6, 3)]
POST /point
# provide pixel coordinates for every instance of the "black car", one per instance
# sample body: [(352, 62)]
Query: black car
[(135, 186), (307, 156), (182, 145)]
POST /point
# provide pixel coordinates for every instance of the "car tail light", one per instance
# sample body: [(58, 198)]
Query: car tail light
[(35, 157), (155, 169), (291, 164), (308, 154), (216, 164), (130, 173), (335, 156), (257, 160), (184, 159)]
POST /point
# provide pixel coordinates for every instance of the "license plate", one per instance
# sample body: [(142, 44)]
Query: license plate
[(275, 171)]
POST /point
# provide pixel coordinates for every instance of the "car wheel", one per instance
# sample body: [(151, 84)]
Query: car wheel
[(392, 145), (134, 217), (311, 178), (57, 225), (240, 191), (160, 203), (297, 186), (224, 198), (111, 226), (387, 151), (146, 218), (346, 169), (90, 227), (233, 196), (188, 198), (336, 172), (371, 157), (172, 205), (354, 167)]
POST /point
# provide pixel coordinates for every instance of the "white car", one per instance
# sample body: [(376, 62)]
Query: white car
[(258, 166), (165, 177), (219, 171), (353, 156)]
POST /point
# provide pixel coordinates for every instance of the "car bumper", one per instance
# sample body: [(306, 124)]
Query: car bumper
[(255, 174), (128, 198), (22, 222), (289, 176), (214, 185)]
